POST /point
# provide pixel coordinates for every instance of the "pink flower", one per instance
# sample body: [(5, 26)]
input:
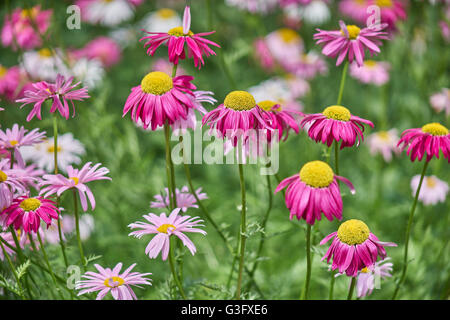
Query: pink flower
[(8, 237), (335, 123), (391, 11), (185, 199), (16, 137), (113, 281), (57, 183), (29, 175), (352, 41), (236, 116), (371, 72), (160, 99), (354, 248), (176, 38), (103, 48), (165, 66), (10, 180), (433, 190), (286, 46), (365, 282), (60, 92), (385, 143), (263, 54), (26, 213), (18, 28), (12, 82), (164, 227), (428, 140), (308, 66), (354, 9), (441, 101), (313, 191), (280, 119)]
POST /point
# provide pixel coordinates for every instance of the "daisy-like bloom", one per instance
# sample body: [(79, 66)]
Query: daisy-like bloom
[(428, 140), (309, 65), (316, 12), (254, 6), (177, 37), (102, 48), (351, 41), (441, 101), (19, 28), (161, 20), (365, 283), (160, 99), (164, 227), (314, 190), (354, 9), (26, 213), (107, 280), (60, 92), (285, 45), (335, 123), (10, 179), (384, 143), (16, 137), (44, 64), (445, 30), (106, 12), (185, 199), (391, 11), (89, 71), (354, 248), (69, 152), (29, 175), (57, 183), (236, 116), (68, 226), (374, 72), (433, 190), (281, 120)]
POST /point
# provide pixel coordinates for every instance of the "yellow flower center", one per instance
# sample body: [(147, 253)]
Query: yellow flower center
[(353, 232), (353, 32), (3, 71), (3, 176), (289, 35), (384, 3), (239, 100), (178, 32), (19, 234), (317, 174), (430, 181), (435, 129), (114, 282), (156, 83), (164, 227), (30, 204), (384, 135), (45, 53), (28, 13), (267, 105), (75, 179), (337, 113), (13, 142), (365, 270), (370, 63), (51, 149), (165, 13)]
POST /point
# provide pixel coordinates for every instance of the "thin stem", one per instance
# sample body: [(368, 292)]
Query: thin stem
[(11, 165), (305, 292), (336, 157), (210, 17), (341, 86), (174, 273), (21, 256), (168, 166), (44, 253), (279, 181), (77, 226), (13, 270), (352, 288), (408, 231), (333, 279), (174, 70), (243, 229)]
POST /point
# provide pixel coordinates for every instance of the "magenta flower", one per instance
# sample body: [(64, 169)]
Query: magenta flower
[(10, 179), (175, 38), (160, 99), (335, 123), (354, 248), (281, 119), (57, 183), (13, 82), (60, 92), (236, 116), (107, 280), (391, 11), (351, 40), (313, 191), (164, 227), (428, 140), (185, 199), (26, 213)]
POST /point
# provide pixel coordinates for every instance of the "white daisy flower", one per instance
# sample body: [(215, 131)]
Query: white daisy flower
[(108, 12), (124, 36), (161, 21), (275, 89), (44, 64), (88, 71)]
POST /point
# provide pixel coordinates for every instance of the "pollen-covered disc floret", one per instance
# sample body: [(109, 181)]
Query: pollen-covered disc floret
[(317, 174), (30, 204), (178, 32), (353, 31), (239, 100), (435, 129), (267, 105), (337, 113), (156, 83), (353, 232)]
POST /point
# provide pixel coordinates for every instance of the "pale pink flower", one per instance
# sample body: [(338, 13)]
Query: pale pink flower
[(375, 72), (68, 226), (441, 101), (103, 48), (433, 190), (384, 142), (309, 65), (10, 179), (285, 45), (165, 66), (365, 282), (263, 54), (29, 175), (185, 199)]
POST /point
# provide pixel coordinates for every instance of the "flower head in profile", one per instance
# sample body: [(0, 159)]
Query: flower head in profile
[(372, 72), (313, 191), (77, 180), (107, 280), (433, 190), (163, 227), (335, 123), (441, 101), (185, 199), (280, 119), (384, 143), (354, 248), (160, 99), (59, 92), (426, 141), (27, 212), (176, 38), (351, 41)]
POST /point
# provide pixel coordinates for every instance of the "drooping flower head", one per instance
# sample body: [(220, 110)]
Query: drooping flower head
[(160, 99), (373, 72), (185, 199), (177, 37), (432, 191), (163, 227), (280, 119), (77, 179), (314, 191), (428, 140), (335, 123), (351, 41), (59, 92), (107, 280), (385, 143), (238, 114), (354, 248), (26, 213)]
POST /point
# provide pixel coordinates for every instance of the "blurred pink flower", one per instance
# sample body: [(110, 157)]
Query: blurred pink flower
[(433, 190), (185, 199), (263, 54), (445, 30), (285, 45), (391, 11), (374, 72), (384, 142), (165, 66), (13, 82), (103, 48), (308, 66), (365, 282), (354, 9), (280, 119), (441, 101)]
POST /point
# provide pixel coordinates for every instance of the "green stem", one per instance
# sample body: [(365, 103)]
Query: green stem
[(209, 10), (168, 166), (341, 86), (336, 157), (333, 279), (44, 253), (243, 229), (77, 226), (352, 288), (174, 273), (408, 231), (13, 270), (11, 165), (305, 292)]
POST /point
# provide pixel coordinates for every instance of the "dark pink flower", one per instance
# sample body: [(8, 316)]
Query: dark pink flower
[(280, 119)]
